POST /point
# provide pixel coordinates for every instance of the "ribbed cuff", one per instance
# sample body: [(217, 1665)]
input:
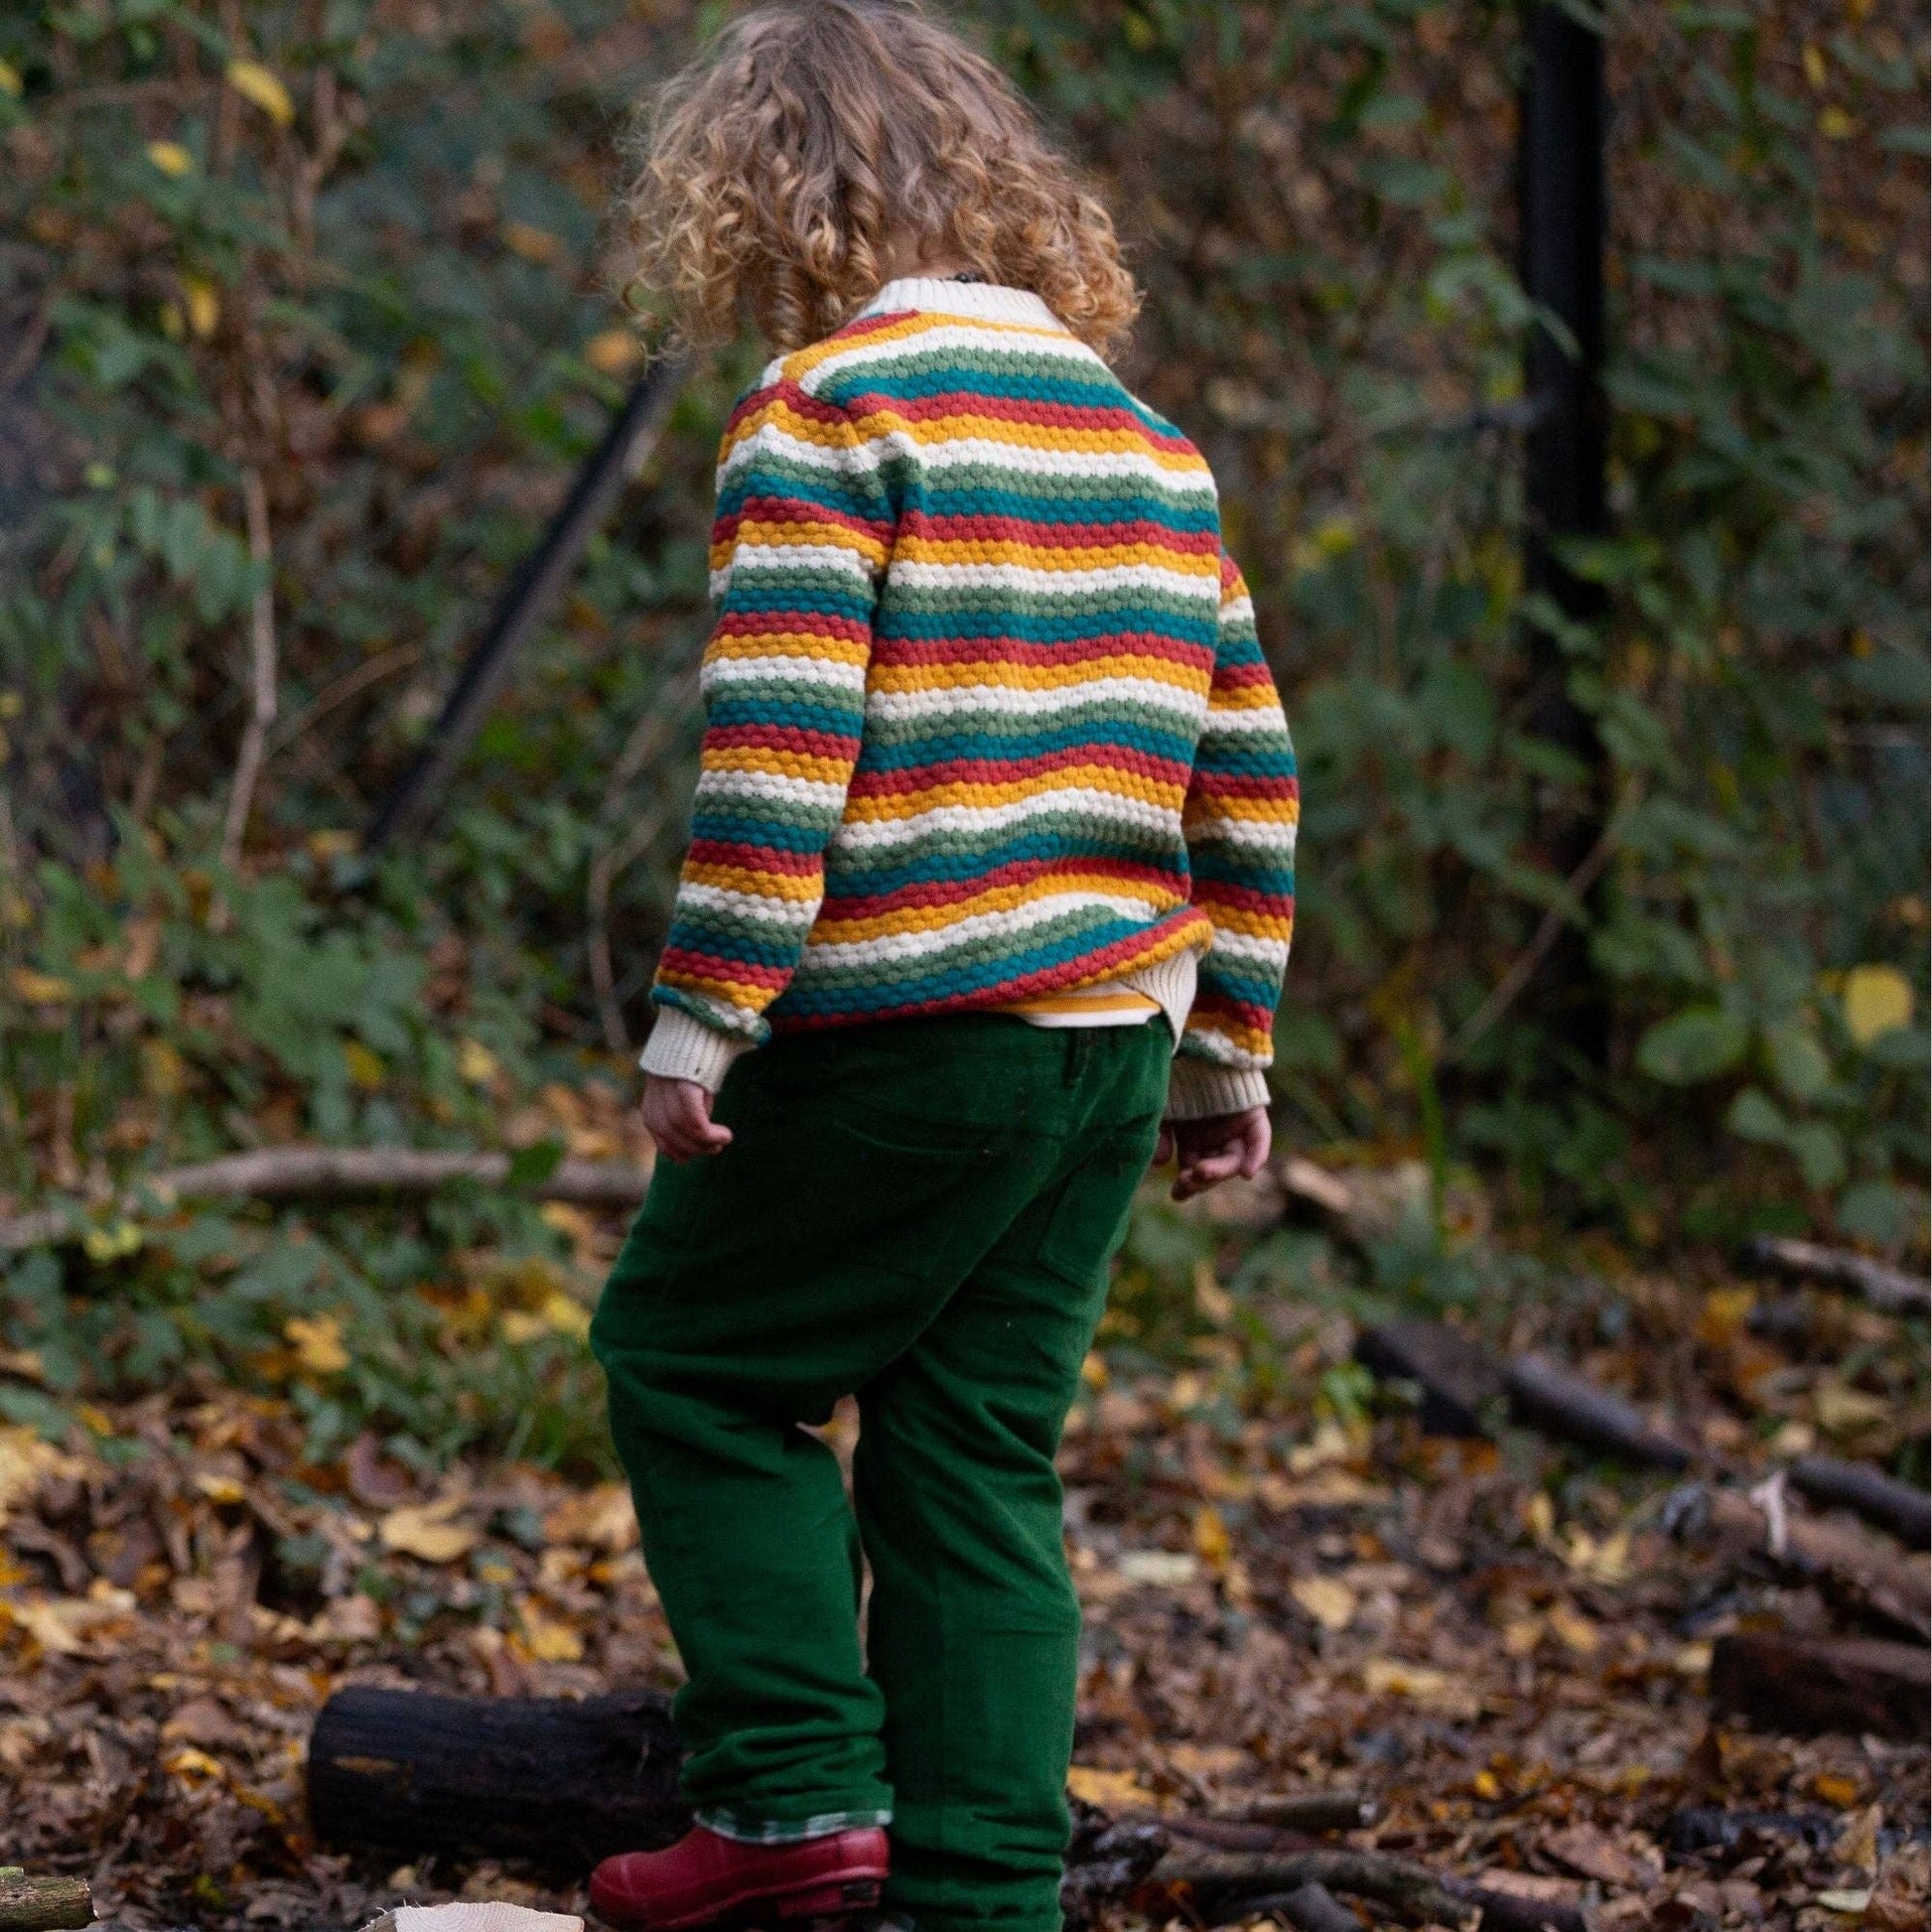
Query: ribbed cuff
[(1198, 1088), (683, 1048)]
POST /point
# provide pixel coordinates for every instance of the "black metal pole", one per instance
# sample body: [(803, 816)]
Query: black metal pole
[(1563, 223), (526, 605)]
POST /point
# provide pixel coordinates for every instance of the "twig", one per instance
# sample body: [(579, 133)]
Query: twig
[(1220, 1878), (336, 1174), (1304, 1811), (340, 690), (261, 653), (1503, 995), (1889, 1290)]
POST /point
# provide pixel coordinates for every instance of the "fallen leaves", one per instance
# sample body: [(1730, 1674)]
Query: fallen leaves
[(1328, 1601), (428, 1531), (261, 87)]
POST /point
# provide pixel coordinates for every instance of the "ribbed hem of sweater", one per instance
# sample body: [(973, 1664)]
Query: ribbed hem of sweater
[(683, 1048), (979, 301), (1197, 1089)]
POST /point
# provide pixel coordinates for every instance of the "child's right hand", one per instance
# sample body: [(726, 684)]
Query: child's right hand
[(677, 1117)]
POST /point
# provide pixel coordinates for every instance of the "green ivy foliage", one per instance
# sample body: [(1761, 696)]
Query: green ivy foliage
[(352, 256)]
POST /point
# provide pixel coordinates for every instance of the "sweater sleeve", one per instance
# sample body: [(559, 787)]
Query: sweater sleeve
[(1243, 805), (801, 537)]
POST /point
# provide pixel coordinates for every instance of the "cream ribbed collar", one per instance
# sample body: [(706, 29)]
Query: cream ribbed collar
[(979, 301)]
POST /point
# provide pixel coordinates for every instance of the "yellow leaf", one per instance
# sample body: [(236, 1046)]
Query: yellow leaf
[(1386, 1677), (256, 84), (105, 1244), (203, 305), (476, 1063), (171, 158), (10, 82), (1726, 1311), (188, 1762), (547, 1638), (366, 1068), (1838, 1791), (601, 1518), (1212, 1539), (1326, 1599), (1835, 125), (1110, 1790), (1574, 1630), (164, 1073), (40, 989), (1093, 1372), (1813, 58), (318, 1342), (219, 1488), (1541, 1515), (613, 352), (424, 1530), (1522, 1636), (1877, 1000), (534, 244)]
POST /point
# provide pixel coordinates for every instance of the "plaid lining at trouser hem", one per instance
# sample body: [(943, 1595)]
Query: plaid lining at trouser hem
[(787, 1831)]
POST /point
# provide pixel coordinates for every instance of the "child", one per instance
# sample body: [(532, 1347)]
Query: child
[(997, 807)]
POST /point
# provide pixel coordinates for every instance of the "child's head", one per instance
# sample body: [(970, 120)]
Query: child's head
[(821, 147)]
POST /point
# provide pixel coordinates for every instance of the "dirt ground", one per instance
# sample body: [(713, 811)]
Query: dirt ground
[(1499, 1645)]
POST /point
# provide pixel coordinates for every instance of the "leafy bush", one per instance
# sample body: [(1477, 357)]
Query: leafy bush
[(344, 262)]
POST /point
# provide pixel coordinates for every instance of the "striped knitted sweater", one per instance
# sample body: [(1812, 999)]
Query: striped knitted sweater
[(987, 717)]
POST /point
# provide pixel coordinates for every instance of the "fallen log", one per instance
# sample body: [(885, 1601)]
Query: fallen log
[(1461, 1381), (1873, 1575), (1889, 1290), (42, 1904), (1527, 1907), (1309, 1909), (1878, 1497), (1849, 1683), (1219, 1881), (1302, 1811), (1563, 1403), (329, 1173), (560, 1781)]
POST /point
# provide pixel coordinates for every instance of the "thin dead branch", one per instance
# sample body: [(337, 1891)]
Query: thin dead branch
[(261, 661)]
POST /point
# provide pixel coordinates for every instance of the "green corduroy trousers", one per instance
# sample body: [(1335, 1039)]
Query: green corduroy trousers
[(919, 1213)]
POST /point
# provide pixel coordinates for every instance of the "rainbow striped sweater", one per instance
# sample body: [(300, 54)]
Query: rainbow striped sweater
[(987, 717)]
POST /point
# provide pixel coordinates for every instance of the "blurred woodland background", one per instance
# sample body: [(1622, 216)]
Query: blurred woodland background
[(306, 322), (307, 319)]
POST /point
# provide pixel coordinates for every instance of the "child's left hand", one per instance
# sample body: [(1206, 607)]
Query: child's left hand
[(677, 1116), (1215, 1149)]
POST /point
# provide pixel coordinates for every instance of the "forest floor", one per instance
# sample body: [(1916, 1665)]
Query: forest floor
[(1495, 1642)]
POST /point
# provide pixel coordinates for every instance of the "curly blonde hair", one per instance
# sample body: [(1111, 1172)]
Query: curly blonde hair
[(819, 147)]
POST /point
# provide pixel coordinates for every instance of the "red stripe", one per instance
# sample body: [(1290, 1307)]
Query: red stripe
[(898, 784), (782, 510), (1030, 652), (937, 893), (817, 623), (783, 738), (1210, 893), (1037, 535), (975, 405), (714, 970), (755, 858), (1209, 783)]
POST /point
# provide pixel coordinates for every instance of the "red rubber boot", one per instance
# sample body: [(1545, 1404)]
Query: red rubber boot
[(708, 1880)]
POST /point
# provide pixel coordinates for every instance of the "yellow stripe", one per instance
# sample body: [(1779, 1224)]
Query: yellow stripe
[(763, 535), (1096, 1001), (776, 763), (802, 888), (1074, 777), (1035, 556), (998, 899), (787, 644), (974, 675)]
